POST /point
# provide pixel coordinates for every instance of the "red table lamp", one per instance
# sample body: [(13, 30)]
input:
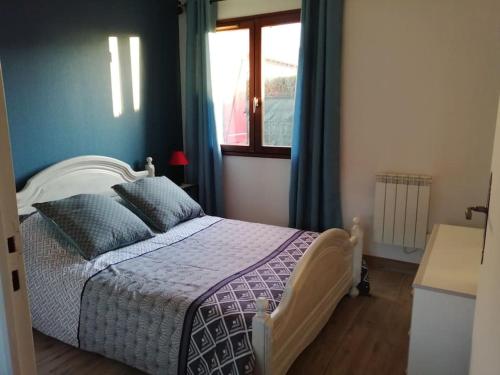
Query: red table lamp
[(178, 158)]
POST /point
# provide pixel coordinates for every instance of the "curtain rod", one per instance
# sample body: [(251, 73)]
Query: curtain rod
[(181, 5)]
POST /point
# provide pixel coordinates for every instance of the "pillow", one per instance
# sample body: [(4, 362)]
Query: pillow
[(159, 202), (94, 224)]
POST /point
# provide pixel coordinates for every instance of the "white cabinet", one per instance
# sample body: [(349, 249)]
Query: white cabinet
[(443, 302)]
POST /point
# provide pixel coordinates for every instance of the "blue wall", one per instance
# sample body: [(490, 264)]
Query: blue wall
[(55, 61)]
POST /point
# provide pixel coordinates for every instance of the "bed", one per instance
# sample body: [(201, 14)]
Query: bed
[(210, 295)]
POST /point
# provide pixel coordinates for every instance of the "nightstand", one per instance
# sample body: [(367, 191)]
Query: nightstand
[(191, 189)]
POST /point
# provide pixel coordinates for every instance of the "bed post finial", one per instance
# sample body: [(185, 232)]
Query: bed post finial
[(262, 305), (357, 255), (150, 168), (356, 220)]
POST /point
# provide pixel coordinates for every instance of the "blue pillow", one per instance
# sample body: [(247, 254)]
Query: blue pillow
[(94, 224), (159, 202)]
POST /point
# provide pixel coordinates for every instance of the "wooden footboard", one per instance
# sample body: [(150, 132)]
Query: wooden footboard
[(329, 269)]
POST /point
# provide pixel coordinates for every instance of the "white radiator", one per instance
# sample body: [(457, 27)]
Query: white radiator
[(401, 209)]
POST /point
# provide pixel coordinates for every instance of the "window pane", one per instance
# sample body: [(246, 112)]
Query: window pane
[(280, 55), (230, 85)]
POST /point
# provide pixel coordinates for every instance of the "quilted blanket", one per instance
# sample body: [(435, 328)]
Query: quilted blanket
[(180, 303), (187, 308)]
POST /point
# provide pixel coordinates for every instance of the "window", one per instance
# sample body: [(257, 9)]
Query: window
[(254, 69)]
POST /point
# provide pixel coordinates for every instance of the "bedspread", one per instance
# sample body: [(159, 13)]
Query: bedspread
[(180, 303), (187, 308)]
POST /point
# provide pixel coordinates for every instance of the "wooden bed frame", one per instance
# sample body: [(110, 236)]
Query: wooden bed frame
[(330, 269)]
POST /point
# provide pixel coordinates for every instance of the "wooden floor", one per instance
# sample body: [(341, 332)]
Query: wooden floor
[(365, 335)]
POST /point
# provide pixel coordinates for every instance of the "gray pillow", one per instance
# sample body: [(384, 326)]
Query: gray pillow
[(94, 224), (159, 202)]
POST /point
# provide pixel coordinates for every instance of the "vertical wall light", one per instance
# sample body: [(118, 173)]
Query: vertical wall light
[(116, 84), (135, 63)]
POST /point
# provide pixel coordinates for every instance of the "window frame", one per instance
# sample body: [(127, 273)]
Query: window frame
[(255, 24)]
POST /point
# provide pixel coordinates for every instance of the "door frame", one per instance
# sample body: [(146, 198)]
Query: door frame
[(15, 309), (486, 330)]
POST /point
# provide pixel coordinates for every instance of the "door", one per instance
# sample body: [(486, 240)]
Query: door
[(485, 356), (16, 339)]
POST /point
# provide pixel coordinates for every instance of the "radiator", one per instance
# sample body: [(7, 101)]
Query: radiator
[(401, 209)]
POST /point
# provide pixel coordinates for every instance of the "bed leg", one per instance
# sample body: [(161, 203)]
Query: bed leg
[(261, 337), (357, 255)]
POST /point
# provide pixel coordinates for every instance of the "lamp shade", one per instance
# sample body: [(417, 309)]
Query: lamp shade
[(178, 158)]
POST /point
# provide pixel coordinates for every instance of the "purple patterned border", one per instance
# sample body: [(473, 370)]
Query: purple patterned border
[(195, 305)]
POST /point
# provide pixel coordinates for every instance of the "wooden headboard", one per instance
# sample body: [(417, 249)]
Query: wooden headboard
[(80, 175)]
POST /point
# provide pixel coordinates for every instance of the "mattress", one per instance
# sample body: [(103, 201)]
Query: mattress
[(181, 302)]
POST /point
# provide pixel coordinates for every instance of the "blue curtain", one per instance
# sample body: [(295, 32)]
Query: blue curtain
[(314, 187), (202, 147)]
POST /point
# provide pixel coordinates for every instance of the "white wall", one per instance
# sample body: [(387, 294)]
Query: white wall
[(420, 85), (419, 90), (242, 8), (257, 189)]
